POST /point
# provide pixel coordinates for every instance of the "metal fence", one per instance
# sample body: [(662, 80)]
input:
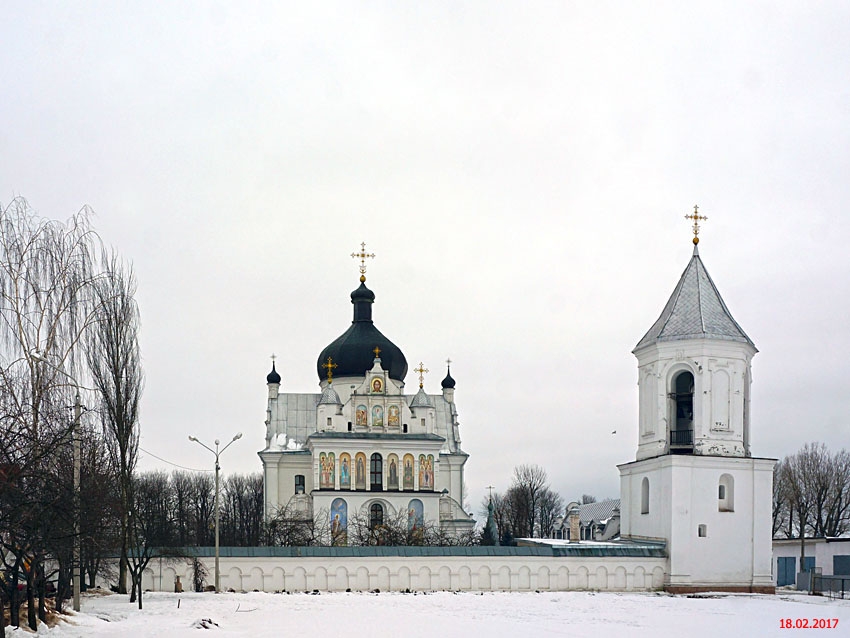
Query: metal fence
[(832, 586)]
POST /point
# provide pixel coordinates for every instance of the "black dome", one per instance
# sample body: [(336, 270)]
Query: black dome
[(273, 376), (448, 383), (353, 351)]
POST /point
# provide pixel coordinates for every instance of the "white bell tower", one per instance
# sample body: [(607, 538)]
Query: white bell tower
[(694, 483)]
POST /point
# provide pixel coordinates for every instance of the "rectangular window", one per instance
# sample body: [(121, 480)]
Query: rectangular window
[(423, 423), (702, 531), (330, 421), (721, 492), (299, 483), (349, 426)]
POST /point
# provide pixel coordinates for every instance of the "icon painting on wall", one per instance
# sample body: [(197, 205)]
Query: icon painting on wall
[(344, 471), (426, 472), (360, 471), (360, 416), (326, 471), (415, 516), (392, 474), (339, 522), (377, 385), (408, 472), (392, 416), (377, 416)]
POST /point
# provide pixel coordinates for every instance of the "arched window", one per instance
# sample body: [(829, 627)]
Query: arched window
[(682, 432), (726, 493), (644, 496), (376, 473), (376, 515), (299, 483)]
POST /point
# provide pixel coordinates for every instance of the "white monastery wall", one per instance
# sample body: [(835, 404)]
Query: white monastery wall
[(427, 573)]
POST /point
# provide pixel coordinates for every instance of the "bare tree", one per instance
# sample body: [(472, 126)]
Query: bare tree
[(290, 527), (811, 494), (47, 271), (550, 506), (112, 352)]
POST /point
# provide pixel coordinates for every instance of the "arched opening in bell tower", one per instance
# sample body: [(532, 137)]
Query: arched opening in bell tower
[(682, 430)]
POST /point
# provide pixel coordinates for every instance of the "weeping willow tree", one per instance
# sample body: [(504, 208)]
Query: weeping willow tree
[(47, 272)]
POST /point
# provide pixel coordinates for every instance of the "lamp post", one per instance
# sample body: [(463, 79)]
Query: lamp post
[(75, 439), (217, 468)]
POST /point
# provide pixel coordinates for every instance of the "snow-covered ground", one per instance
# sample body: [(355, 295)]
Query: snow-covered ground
[(574, 614)]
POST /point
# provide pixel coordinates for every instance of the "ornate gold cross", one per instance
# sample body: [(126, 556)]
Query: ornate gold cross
[(362, 256), (330, 365), (697, 218), (377, 351), (421, 370)]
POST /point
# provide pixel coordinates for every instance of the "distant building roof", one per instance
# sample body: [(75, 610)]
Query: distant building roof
[(599, 511)]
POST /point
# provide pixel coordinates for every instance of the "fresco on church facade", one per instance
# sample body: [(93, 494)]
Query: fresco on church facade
[(360, 416), (339, 522), (392, 416), (426, 472), (360, 471), (377, 385), (407, 481), (377, 415), (345, 471), (326, 471), (415, 515), (392, 472)]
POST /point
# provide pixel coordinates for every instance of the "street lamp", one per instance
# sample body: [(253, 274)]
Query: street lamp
[(217, 468), (75, 438)]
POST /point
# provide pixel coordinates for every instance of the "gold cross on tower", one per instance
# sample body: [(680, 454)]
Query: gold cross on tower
[(362, 256), (697, 218), (330, 365), (377, 351), (421, 370)]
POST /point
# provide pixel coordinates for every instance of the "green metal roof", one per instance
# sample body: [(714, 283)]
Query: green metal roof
[(647, 550)]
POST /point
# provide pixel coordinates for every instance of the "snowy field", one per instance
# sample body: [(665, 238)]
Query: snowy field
[(574, 614)]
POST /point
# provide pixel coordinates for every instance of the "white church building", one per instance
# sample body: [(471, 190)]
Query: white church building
[(360, 445), (694, 482)]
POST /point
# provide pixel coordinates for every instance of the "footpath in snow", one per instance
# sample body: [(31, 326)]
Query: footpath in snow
[(574, 614)]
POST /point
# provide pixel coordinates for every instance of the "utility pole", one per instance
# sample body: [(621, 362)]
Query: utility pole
[(217, 513), (77, 462)]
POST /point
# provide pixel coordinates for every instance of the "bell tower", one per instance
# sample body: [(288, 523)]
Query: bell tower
[(694, 483)]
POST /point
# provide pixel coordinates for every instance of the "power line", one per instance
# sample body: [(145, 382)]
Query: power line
[(182, 467)]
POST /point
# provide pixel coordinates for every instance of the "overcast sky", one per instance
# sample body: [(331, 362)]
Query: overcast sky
[(522, 171)]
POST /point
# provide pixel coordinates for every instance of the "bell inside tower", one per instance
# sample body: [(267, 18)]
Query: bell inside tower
[(682, 432)]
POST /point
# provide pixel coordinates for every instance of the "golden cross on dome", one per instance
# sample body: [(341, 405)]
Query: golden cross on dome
[(697, 218), (330, 365), (377, 351), (421, 370), (362, 256)]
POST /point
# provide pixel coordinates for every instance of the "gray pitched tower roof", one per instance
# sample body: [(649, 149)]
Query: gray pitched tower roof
[(695, 310)]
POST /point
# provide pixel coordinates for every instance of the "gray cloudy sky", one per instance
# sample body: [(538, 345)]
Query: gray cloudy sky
[(521, 170)]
